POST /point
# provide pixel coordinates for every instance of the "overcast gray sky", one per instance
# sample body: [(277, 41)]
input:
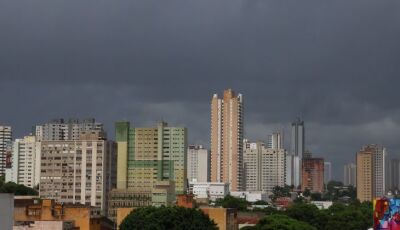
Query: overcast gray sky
[(335, 63)]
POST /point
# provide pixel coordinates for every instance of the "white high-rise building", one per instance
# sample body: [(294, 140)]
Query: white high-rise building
[(198, 164), (350, 171), (293, 169), (264, 167), (327, 172), (25, 162), (81, 171), (5, 140)]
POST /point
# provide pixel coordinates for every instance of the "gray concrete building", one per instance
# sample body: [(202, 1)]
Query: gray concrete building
[(60, 129), (80, 171), (198, 164)]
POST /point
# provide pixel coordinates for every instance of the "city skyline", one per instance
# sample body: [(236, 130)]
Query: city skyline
[(288, 58)]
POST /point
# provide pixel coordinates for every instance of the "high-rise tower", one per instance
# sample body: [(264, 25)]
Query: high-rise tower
[(227, 140)]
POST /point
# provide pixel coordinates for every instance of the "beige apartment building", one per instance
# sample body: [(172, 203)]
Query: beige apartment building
[(227, 140), (78, 171), (264, 167), (371, 172)]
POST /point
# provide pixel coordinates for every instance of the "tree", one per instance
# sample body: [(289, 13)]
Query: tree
[(167, 218), (307, 192), (308, 213), (278, 191), (282, 222), (316, 196), (232, 202), (17, 189)]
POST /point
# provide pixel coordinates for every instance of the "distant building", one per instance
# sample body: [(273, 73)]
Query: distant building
[(25, 162), (264, 168), (198, 164), (252, 196), (313, 174), (59, 129), (371, 172), (327, 172), (275, 141), (350, 172), (394, 175), (78, 171), (298, 138), (297, 150), (293, 169), (227, 140), (5, 140), (208, 190), (322, 204)]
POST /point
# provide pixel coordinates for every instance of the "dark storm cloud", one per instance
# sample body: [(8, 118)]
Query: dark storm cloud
[(334, 63)]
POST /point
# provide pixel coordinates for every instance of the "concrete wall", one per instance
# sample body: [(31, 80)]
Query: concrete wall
[(6, 211)]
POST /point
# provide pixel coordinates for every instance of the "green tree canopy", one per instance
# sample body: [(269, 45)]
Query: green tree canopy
[(278, 191), (149, 218), (17, 189), (232, 202), (282, 222)]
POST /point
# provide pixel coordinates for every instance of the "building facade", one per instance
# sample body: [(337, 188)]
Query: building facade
[(312, 174), (25, 162), (394, 175), (327, 172), (60, 129), (151, 166), (275, 140), (209, 190), (293, 169), (371, 172), (227, 140), (198, 164), (80, 171), (5, 140), (350, 172), (264, 168), (297, 150)]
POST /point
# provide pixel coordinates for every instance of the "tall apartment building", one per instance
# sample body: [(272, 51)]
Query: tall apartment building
[(151, 166), (264, 167), (312, 174), (394, 175), (147, 155), (293, 168), (350, 172), (59, 129), (298, 138), (5, 140), (78, 171), (297, 151), (227, 140), (198, 164), (327, 172), (25, 162), (371, 172), (275, 141)]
